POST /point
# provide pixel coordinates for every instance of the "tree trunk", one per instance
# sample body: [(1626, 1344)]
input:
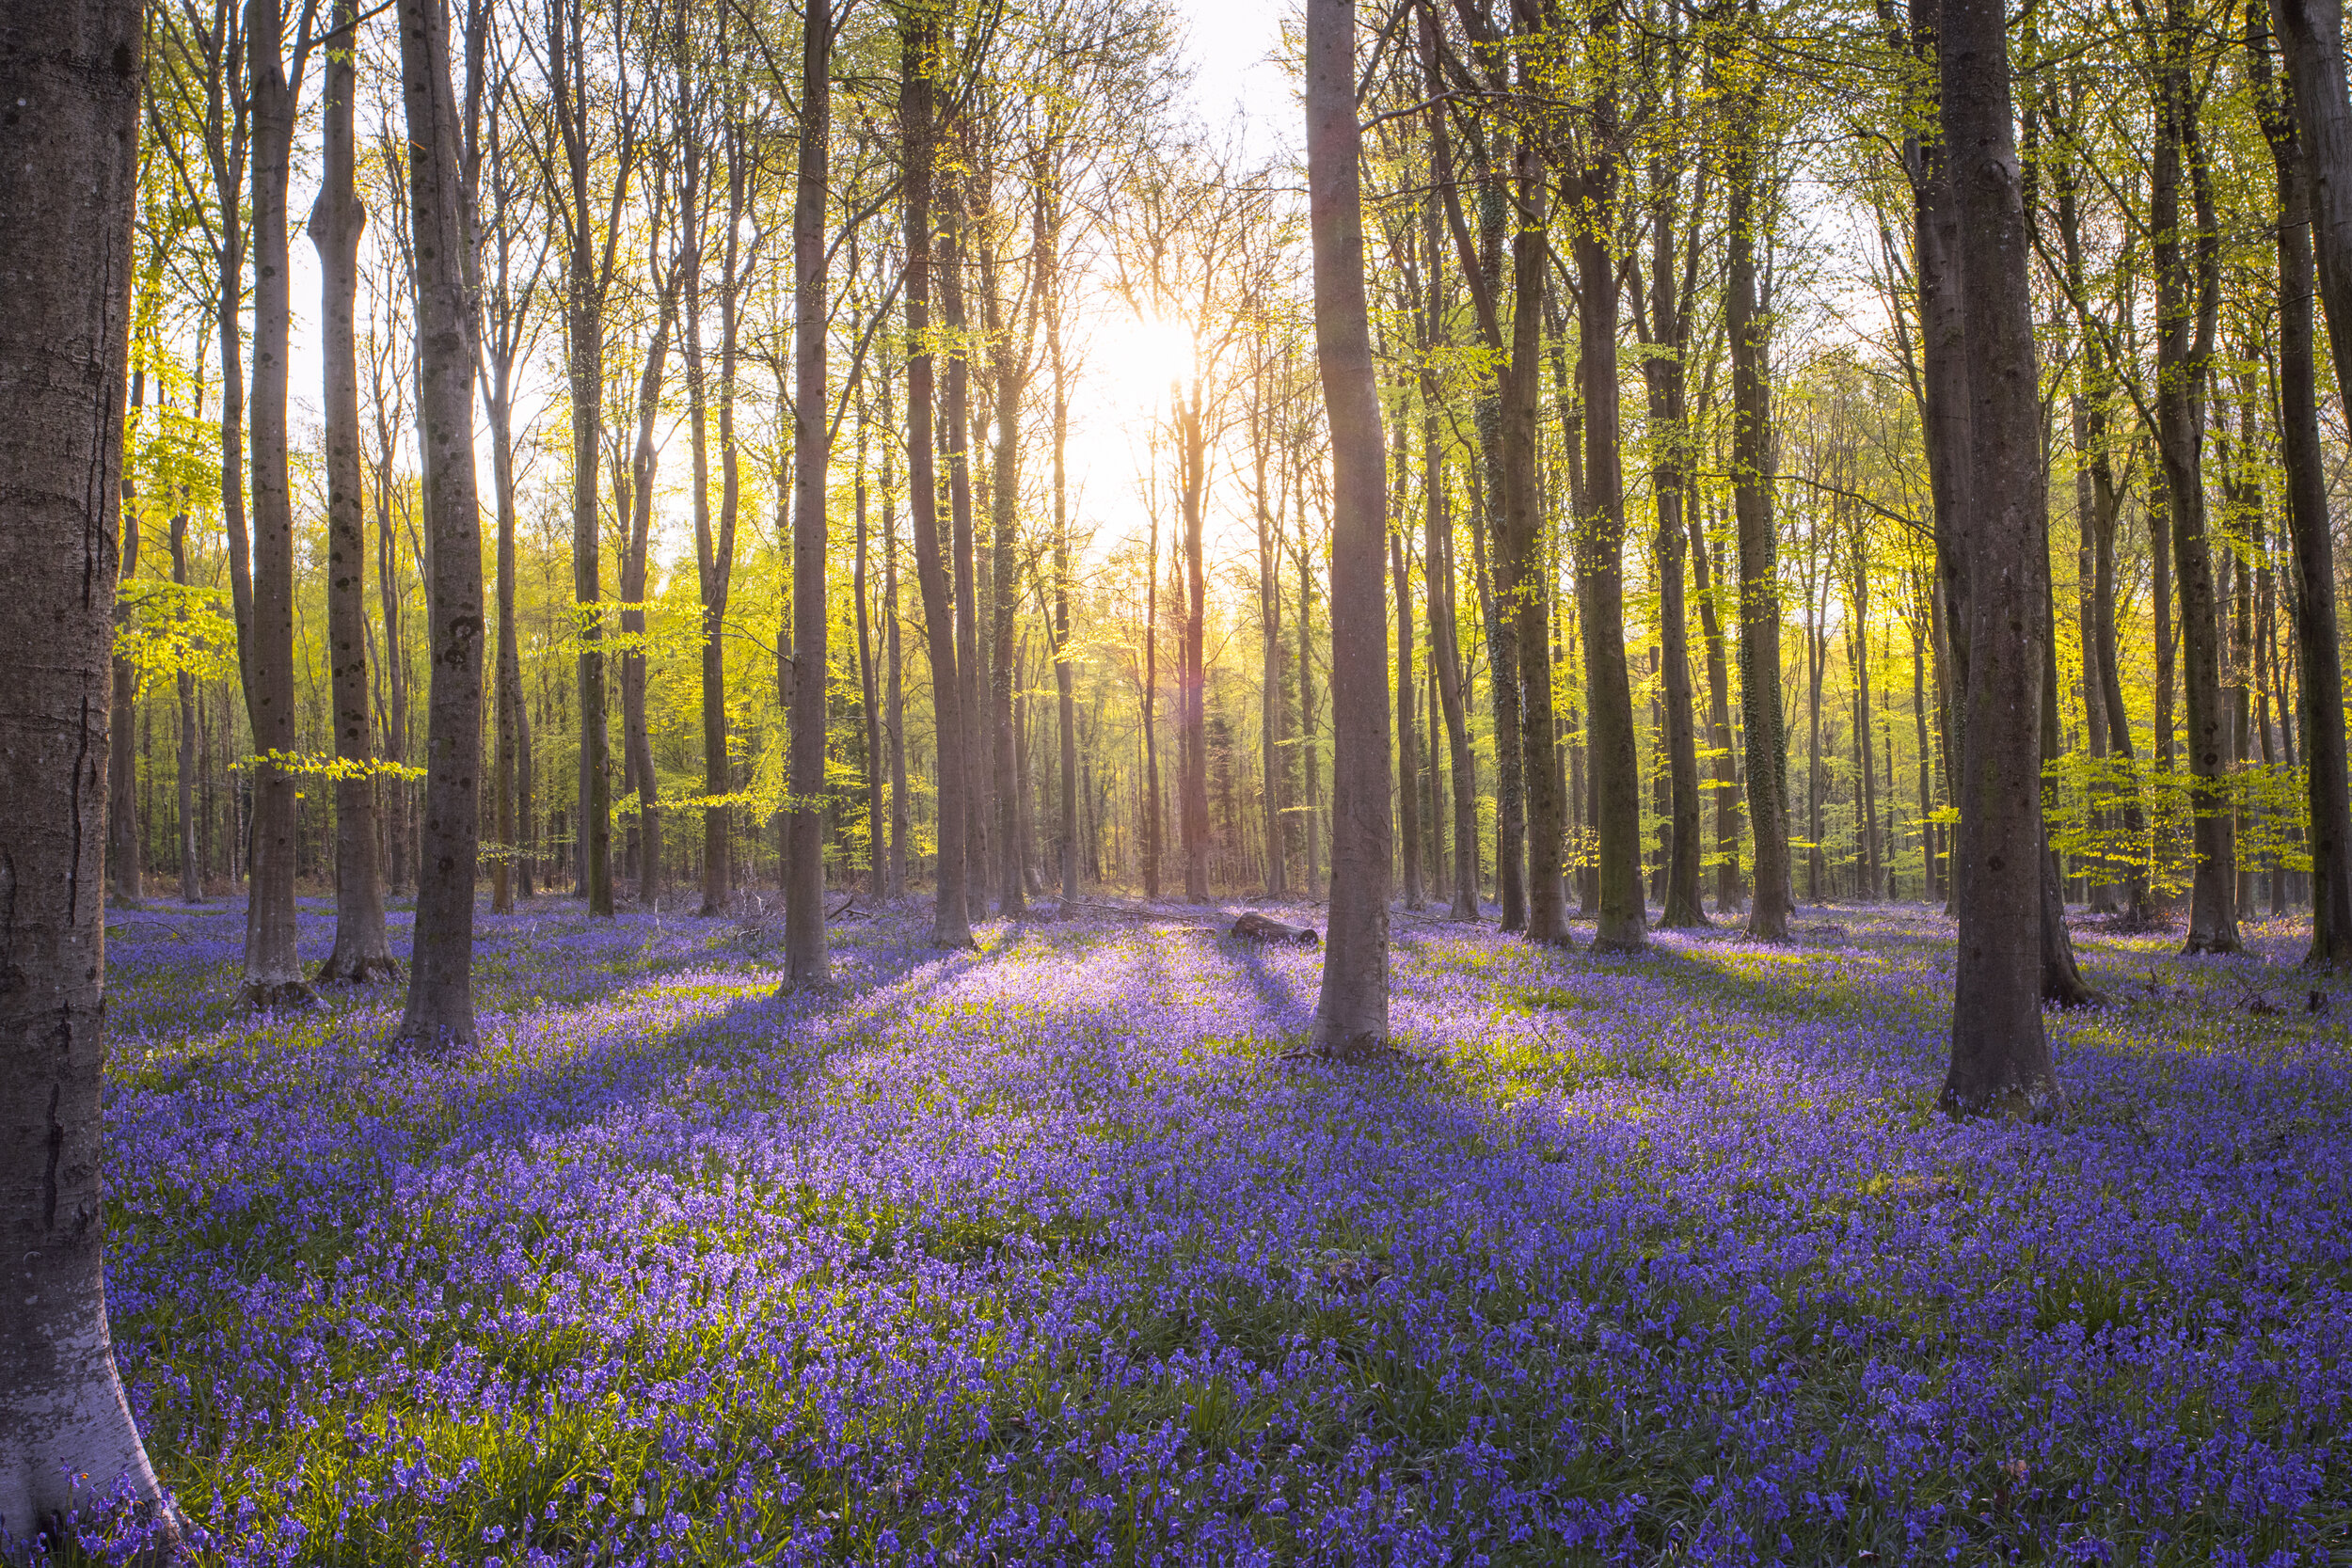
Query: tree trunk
[(71, 70), (1352, 1009), (1601, 540), (869, 710), (440, 1016), (808, 963), (2000, 1054), (952, 926), (191, 862), (2316, 212), (362, 951), (895, 884), (2185, 288), (1725, 781), (1003, 472), (1766, 758), (1408, 752), (586, 275), (1274, 747), (122, 776), (400, 861), (1191, 687), (1667, 336), (273, 971), (636, 738), (1310, 759)]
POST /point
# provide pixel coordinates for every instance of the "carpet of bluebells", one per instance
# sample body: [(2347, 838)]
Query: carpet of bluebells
[(1060, 1251)]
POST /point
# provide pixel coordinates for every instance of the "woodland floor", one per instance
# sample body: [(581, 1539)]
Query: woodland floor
[(1049, 1253)]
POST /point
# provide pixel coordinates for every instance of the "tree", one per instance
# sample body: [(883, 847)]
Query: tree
[(2188, 307), (363, 950), (70, 70), (1750, 330), (2000, 1054), (2314, 155), (592, 236), (1352, 1011), (273, 970), (951, 922), (805, 870), (440, 1014)]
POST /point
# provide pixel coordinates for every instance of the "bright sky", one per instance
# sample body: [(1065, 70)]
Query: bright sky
[(1231, 45), (1237, 90)]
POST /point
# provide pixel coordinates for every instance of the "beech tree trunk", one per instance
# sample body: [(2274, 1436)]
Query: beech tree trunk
[(2186, 303), (588, 269), (1601, 540), (951, 924), (68, 150), (1667, 334), (808, 965), (1048, 241), (636, 738), (894, 710), (1724, 765), (439, 1015), (1003, 472), (273, 971), (1352, 1011), (1408, 752), (122, 779), (362, 951), (2313, 155), (2000, 1054), (191, 862), (1766, 757), (1438, 532)]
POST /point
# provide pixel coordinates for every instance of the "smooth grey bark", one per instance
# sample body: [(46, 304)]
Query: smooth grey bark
[(191, 865), (1192, 773), (1481, 263), (590, 240), (807, 964), (1352, 1008), (1408, 754), (714, 553), (2314, 244), (514, 260), (1719, 740), (273, 970), (1047, 241), (1438, 532), (636, 738), (402, 863), (2187, 289), (439, 1015), (2000, 1054), (955, 419), (71, 71), (1666, 328), (363, 950), (869, 710), (1273, 707), (894, 708), (951, 924), (1766, 759), (1008, 367), (122, 777), (1617, 784)]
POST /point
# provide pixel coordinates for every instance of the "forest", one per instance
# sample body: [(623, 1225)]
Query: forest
[(849, 785)]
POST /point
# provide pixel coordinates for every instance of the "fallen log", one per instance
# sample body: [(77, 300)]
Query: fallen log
[(1254, 927)]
